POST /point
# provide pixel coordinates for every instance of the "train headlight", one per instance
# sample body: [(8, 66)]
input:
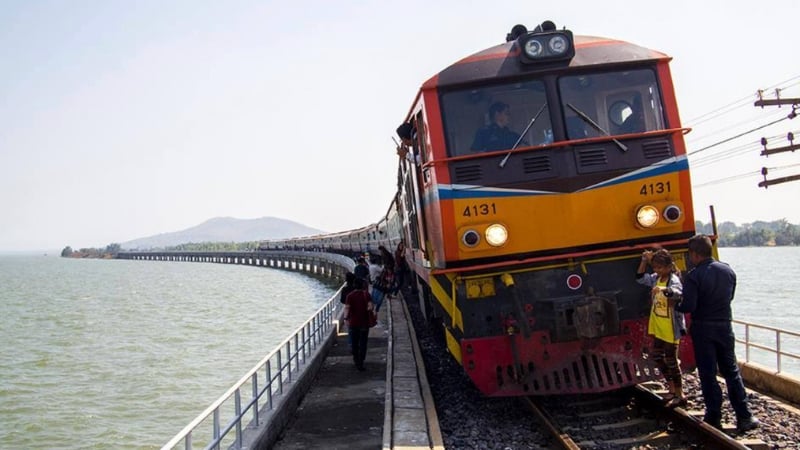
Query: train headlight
[(496, 235), (470, 238), (647, 216), (546, 45), (534, 48), (672, 213), (558, 44)]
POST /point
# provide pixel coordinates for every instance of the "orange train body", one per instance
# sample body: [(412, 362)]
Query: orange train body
[(525, 253)]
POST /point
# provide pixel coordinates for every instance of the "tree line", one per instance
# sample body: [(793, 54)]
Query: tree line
[(756, 234), (111, 250)]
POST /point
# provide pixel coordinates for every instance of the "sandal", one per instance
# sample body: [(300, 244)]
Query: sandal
[(676, 402)]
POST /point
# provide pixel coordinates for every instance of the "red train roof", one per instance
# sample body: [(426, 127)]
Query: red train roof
[(503, 60)]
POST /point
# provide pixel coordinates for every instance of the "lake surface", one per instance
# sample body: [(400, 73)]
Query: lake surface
[(768, 284), (123, 354)]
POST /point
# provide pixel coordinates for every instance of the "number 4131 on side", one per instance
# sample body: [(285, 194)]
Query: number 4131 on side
[(655, 188), (484, 209)]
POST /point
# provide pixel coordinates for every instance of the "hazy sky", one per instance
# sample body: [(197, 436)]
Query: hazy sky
[(124, 119)]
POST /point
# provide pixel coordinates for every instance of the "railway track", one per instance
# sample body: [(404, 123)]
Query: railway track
[(630, 419), (469, 420)]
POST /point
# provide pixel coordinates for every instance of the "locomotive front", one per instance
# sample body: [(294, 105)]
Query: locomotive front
[(551, 162)]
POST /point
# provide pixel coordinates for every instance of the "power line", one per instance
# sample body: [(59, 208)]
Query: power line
[(727, 155), (743, 149), (742, 175), (771, 114), (737, 136), (727, 179), (737, 103)]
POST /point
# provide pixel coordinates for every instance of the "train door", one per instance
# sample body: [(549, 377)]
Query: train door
[(417, 180), (423, 183), (413, 191)]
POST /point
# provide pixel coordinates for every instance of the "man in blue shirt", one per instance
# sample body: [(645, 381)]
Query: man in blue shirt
[(708, 290), (496, 135)]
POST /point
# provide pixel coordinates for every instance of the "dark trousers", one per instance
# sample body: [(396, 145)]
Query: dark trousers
[(358, 337), (400, 278), (714, 348)]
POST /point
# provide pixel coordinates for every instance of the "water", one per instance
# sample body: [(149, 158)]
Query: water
[(767, 289), (123, 354), (768, 283)]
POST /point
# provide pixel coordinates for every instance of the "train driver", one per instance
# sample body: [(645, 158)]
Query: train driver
[(496, 135)]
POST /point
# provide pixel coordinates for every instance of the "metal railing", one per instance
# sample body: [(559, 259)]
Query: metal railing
[(768, 339), (262, 382)]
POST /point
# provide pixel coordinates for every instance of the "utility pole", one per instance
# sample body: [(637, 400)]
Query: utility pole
[(766, 183), (778, 101)]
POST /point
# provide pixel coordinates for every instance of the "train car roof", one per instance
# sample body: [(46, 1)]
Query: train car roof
[(503, 60)]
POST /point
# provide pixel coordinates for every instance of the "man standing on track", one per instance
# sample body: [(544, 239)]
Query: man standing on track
[(708, 290)]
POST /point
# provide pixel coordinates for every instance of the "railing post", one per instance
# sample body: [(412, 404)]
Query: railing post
[(255, 397), (215, 431), (289, 360), (237, 406), (747, 342), (280, 374), (316, 325), (297, 352), (778, 343), (303, 340), (269, 383)]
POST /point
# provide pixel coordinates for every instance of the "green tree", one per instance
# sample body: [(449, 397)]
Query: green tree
[(704, 228), (727, 228), (787, 234), (752, 237)]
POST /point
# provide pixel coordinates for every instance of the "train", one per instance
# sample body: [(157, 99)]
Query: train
[(539, 169)]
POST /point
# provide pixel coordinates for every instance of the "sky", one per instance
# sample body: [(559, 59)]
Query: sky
[(121, 120)]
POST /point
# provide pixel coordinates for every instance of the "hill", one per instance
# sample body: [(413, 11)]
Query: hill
[(225, 229)]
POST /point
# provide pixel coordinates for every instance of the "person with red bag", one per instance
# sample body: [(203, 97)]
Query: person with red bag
[(358, 312)]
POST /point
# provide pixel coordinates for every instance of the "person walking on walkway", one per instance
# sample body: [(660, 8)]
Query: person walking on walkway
[(357, 309), (708, 291), (362, 269), (402, 270), (382, 286), (349, 286)]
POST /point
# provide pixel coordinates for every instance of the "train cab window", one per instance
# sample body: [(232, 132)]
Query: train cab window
[(501, 117), (612, 103)]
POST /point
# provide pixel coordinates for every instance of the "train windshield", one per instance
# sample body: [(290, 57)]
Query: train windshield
[(493, 118), (610, 103)]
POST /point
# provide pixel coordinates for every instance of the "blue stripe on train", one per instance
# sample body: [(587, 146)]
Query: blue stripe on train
[(464, 191)]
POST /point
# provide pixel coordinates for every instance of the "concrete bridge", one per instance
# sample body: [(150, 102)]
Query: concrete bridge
[(324, 264)]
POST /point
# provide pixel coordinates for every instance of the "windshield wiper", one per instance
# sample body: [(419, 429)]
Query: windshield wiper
[(597, 127), (524, 132)]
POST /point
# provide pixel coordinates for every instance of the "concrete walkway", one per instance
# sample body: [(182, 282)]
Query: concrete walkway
[(345, 408)]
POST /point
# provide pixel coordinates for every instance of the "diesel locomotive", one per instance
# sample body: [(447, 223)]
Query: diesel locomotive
[(539, 170)]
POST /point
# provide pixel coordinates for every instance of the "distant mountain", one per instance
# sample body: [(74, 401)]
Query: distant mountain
[(225, 229)]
